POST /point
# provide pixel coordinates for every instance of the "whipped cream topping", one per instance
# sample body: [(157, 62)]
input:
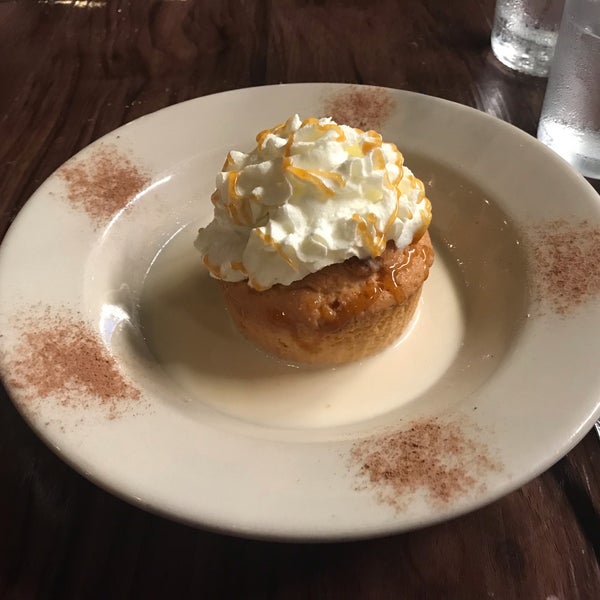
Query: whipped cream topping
[(311, 194)]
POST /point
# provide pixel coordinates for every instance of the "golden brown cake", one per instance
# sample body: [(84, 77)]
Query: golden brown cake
[(340, 314)]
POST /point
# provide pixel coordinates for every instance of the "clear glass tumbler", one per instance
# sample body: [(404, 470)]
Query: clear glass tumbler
[(570, 121), (524, 34)]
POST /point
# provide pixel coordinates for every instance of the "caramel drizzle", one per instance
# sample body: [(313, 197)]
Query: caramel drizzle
[(269, 241), (384, 280), (314, 176), (216, 269), (261, 136), (288, 146), (426, 216), (399, 162), (257, 286), (378, 159), (238, 266), (376, 241), (414, 182), (229, 162), (213, 268), (364, 231), (239, 206), (424, 211), (326, 127), (373, 143)]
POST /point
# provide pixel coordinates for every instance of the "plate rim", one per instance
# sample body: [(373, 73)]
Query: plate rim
[(42, 433)]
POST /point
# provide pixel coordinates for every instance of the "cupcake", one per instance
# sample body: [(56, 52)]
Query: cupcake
[(319, 241)]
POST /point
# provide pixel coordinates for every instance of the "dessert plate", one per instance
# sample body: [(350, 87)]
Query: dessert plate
[(116, 349)]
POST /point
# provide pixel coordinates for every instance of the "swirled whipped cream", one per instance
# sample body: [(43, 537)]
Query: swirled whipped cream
[(311, 194)]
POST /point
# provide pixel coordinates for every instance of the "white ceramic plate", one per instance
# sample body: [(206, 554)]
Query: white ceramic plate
[(498, 374)]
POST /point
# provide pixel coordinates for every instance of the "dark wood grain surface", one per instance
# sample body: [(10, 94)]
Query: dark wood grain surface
[(73, 71)]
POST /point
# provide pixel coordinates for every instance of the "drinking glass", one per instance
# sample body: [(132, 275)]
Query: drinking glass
[(570, 121), (524, 34)]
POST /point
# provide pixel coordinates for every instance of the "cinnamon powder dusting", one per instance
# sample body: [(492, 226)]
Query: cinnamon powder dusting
[(103, 183), (566, 264), (60, 357), (366, 108), (438, 458)]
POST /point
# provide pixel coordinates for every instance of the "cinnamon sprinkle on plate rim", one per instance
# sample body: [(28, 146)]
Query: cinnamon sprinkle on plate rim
[(365, 108), (103, 183), (59, 358), (565, 265), (432, 456)]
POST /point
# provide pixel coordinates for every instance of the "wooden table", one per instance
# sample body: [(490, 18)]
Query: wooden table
[(71, 71)]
